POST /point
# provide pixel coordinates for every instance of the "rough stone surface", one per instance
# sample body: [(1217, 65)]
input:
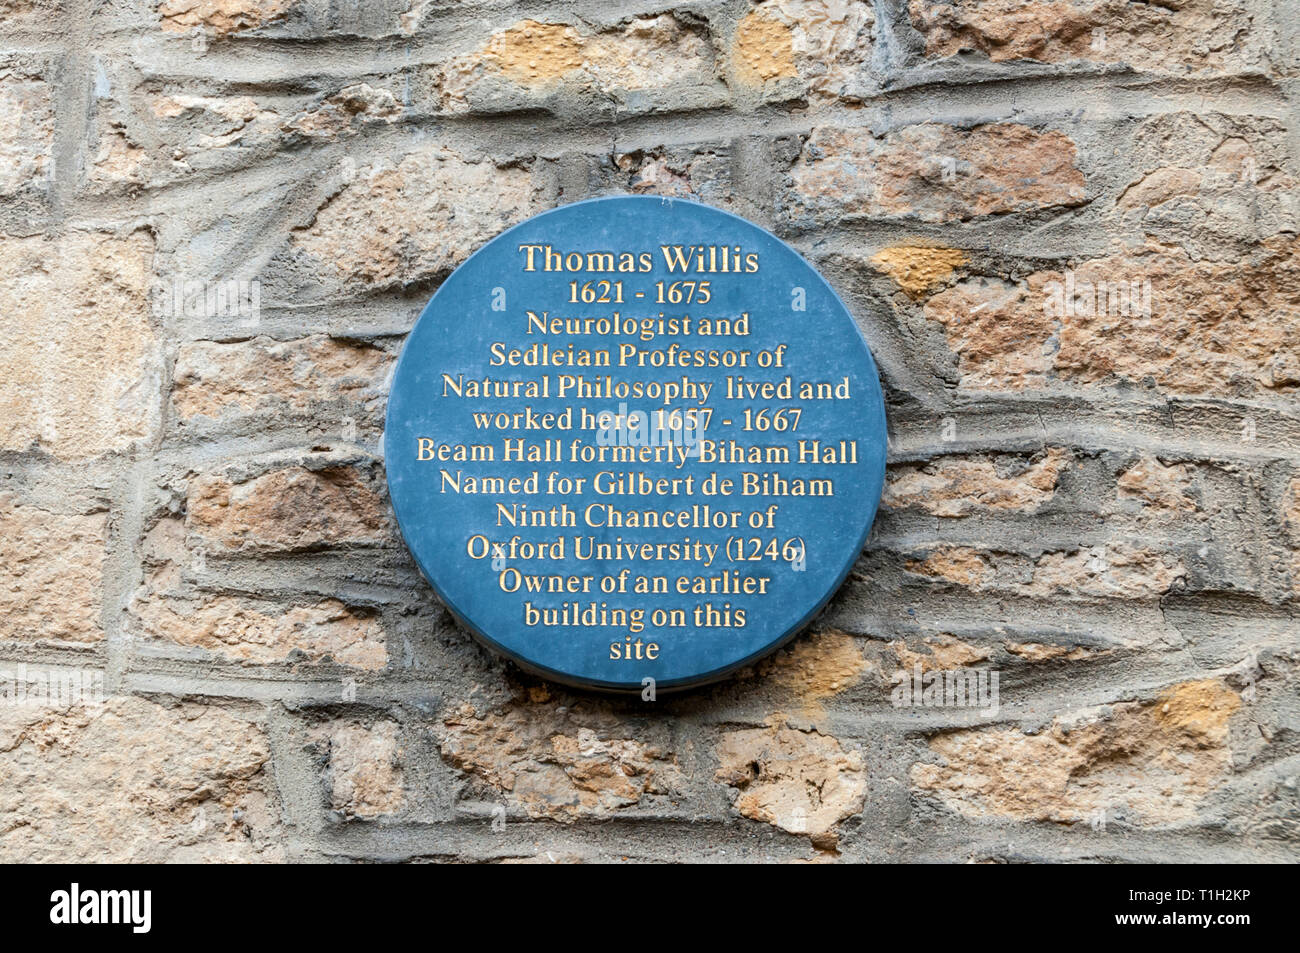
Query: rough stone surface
[(51, 573), (547, 760), (342, 112), (941, 653), (1216, 185), (169, 607), (1291, 520), (1189, 36), (26, 133), (80, 368), (764, 48), (1157, 485), (136, 781), (1147, 763), (414, 219), (118, 163), (813, 669), (203, 135), (1236, 333), (803, 782), (365, 769), (220, 16), (290, 509), (534, 52), (1114, 571), (243, 630), (826, 44), (958, 487), (29, 12), (264, 376), (917, 269), (1038, 652), (534, 58), (1292, 511), (936, 173)]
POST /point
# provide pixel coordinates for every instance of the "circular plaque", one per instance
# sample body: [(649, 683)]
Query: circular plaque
[(635, 439)]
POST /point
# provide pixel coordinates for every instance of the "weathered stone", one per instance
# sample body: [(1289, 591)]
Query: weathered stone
[(51, 573), (415, 220), (815, 667), (1113, 571), (959, 486), (221, 529), (224, 121), (704, 174), (1041, 652), (248, 630), (936, 173), (1181, 37), (214, 133), (823, 43), (245, 629), (1149, 762), (916, 269), (80, 369), (1000, 333), (1159, 187), (531, 52), (220, 17), (118, 162), (286, 510), (943, 652), (1108, 319), (239, 110), (556, 761), (960, 564), (764, 48), (657, 175), (262, 375), (1238, 324), (803, 782), (1215, 185), (646, 54), (342, 112), (26, 133), (31, 12), (1157, 485), (136, 781), (211, 134), (365, 774)]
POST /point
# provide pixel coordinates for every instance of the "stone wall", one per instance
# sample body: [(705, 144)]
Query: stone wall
[(1067, 228)]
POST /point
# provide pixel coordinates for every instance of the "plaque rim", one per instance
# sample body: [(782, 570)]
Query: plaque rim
[(712, 676)]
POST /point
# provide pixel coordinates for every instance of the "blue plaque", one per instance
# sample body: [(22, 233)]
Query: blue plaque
[(635, 438)]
